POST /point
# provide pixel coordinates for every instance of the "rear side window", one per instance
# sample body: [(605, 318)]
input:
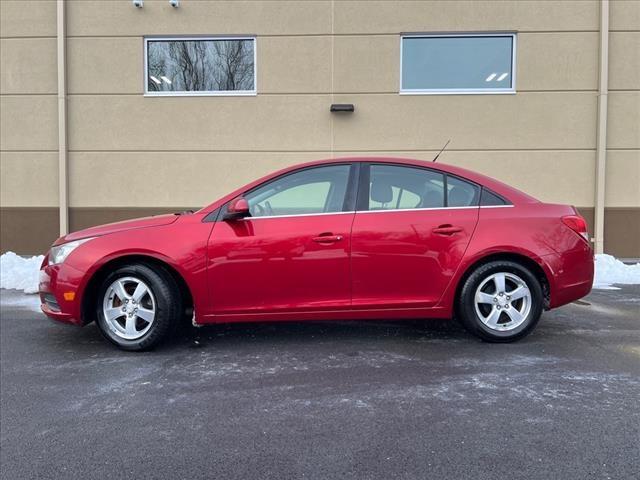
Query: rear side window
[(395, 187), (461, 193), (489, 199), (398, 188)]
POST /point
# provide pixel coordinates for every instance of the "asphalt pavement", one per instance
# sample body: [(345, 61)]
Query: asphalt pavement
[(325, 400)]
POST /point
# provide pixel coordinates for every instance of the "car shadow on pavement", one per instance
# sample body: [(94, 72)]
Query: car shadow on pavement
[(323, 331), (276, 334)]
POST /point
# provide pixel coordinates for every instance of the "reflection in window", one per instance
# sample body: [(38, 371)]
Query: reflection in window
[(201, 65), (458, 63)]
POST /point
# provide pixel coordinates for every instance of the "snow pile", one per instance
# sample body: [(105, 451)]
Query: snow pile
[(20, 273), (610, 270)]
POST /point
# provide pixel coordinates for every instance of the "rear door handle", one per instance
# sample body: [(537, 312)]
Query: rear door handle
[(447, 230), (327, 238)]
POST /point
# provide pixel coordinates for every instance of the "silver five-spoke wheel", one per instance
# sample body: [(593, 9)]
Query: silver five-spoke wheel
[(129, 308), (503, 301)]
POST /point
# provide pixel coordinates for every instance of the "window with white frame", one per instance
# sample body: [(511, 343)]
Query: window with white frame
[(458, 63), (200, 66)]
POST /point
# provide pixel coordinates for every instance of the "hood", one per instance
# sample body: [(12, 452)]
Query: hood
[(100, 230)]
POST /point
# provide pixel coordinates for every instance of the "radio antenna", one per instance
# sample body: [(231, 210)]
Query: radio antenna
[(445, 146)]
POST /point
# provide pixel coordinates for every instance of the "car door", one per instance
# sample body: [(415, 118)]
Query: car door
[(292, 253), (410, 232)]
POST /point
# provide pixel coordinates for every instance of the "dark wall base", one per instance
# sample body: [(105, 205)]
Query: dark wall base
[(80, 218), (27, 230), (621, 230)]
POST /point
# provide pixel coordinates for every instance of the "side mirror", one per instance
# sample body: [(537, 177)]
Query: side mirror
[(238, 208)]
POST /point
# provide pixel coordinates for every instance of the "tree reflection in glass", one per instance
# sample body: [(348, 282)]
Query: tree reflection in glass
[(200, 65)]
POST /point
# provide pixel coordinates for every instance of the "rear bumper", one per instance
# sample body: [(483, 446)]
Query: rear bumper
[(571, 275), (59, 292)]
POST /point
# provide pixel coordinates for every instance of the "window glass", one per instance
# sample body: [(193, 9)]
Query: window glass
[(490, 199), (461, 193), (399, 187), (309, 191), (200, 65), (448, 62)]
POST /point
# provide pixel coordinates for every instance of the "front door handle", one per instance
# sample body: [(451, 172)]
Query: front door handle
[(447, 230), (327, 238)]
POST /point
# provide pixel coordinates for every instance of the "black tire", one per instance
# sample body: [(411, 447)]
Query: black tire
[(470, 318), (168, 306)]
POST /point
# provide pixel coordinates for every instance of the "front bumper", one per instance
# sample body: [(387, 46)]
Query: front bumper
[(60, 295)]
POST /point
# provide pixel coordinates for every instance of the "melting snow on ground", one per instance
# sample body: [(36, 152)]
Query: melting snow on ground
[(21, 273), (21, 302)]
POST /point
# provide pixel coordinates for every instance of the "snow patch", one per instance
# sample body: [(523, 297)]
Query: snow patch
[(610, 270), (20, 273)]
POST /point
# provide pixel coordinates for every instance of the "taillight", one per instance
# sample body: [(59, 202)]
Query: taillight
[(577, 224)]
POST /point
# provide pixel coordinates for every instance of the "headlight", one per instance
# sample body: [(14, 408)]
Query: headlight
[(59, 253)]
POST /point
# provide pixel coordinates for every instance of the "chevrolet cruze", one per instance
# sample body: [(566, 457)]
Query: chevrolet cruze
[(351, 238)]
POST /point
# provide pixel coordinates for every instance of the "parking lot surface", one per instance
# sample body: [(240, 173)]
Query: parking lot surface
[(326, 400)]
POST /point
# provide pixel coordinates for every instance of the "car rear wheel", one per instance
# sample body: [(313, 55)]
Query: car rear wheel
[(138, 306), (500, 301)]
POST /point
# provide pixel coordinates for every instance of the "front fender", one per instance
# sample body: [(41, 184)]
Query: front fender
[(181, 246)]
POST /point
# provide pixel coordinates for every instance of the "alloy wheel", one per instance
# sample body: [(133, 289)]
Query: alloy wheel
[(503, 301), (129, 308)]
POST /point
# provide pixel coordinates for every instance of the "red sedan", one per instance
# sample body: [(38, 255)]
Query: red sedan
[(351, 238)]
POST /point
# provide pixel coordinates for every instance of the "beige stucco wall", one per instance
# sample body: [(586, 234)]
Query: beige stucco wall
[(188, 151), (36, 18), (28, 179), (28, 109)]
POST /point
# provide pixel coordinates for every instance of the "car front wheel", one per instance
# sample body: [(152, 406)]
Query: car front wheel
[(138, 306), (500, 301)]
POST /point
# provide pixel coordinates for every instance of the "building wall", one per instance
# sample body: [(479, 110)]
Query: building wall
[(131, 155)]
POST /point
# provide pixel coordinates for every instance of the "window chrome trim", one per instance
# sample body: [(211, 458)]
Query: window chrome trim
[(374, 211), (414, 209), (431, 208), (461, 91), (299, 215), (200, 93)]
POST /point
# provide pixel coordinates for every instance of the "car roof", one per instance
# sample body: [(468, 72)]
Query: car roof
[(512, 194)]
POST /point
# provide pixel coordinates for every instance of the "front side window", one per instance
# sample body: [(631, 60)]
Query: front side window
[(310, 191), (470, 63), (197, 66)]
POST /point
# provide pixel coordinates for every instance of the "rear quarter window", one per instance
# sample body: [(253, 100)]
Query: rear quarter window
[(490, 199)]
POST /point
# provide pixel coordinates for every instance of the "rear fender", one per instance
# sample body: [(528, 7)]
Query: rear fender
[(504, 252)]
